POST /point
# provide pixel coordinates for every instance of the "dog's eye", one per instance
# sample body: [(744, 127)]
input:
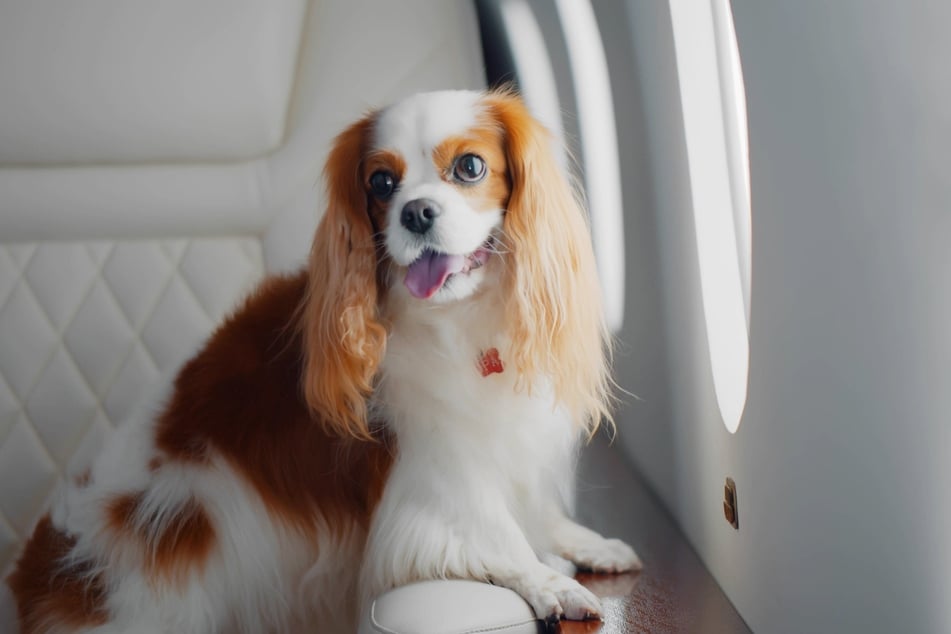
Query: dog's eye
[(382, 184), (469, 168)]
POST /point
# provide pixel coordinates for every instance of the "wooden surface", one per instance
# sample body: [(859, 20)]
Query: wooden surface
[(674, 592)]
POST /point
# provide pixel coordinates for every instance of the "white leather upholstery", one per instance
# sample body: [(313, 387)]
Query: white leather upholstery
[(116, 81), (85, 328), (155, 160), (449, 607), (353, 55)]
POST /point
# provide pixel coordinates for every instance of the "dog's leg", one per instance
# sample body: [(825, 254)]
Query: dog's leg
[(420, 533), (551, 594), (590, 551)]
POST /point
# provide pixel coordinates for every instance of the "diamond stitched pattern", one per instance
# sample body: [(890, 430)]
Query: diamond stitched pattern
[(85, 328)]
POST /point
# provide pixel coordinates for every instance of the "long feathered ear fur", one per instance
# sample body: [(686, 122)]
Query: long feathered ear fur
[(342, 336), (556, 324)]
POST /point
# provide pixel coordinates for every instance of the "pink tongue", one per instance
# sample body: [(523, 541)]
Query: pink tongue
[(428, 273)]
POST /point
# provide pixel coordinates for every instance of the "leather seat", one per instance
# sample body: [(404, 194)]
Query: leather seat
[(156, 160)]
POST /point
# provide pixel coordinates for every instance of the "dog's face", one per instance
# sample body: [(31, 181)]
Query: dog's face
[(437, 186), (437, 197)]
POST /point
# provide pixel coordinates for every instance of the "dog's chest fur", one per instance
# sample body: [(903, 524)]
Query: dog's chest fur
[(463, 426)]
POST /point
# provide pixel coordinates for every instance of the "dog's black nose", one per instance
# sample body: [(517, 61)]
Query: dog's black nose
[(419, 215)]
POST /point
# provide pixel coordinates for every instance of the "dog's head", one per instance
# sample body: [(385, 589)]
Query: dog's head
[(435, 198)]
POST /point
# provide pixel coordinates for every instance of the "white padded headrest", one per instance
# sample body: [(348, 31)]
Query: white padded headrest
[(118, 81), (138, 119)]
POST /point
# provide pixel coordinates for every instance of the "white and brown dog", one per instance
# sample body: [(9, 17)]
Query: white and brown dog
[(408, 407)]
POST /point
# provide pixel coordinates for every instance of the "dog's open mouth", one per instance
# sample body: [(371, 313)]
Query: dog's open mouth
[(429, 272)]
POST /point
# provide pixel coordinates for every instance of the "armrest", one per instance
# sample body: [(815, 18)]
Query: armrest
[(449, 607)]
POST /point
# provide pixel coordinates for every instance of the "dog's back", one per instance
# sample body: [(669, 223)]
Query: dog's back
[(227, 510)]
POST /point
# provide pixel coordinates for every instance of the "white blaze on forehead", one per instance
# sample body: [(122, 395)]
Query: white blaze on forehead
[(413, 128), (416, 125)]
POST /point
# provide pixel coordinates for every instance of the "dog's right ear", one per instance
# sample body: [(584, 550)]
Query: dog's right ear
[(342, 335)]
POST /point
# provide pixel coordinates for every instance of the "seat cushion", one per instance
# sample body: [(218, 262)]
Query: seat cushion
[(449, 607)]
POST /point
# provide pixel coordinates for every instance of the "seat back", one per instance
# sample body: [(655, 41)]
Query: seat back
[(156, 159)]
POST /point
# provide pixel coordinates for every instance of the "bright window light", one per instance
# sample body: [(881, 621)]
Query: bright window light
[(598, 137), (714, 112), (589, 71), (737, 135)]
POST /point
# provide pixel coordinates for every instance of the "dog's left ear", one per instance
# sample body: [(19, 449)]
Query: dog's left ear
[(556, 323), (343, 338)]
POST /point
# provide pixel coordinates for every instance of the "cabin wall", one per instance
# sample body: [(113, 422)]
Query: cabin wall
[(843, 456)]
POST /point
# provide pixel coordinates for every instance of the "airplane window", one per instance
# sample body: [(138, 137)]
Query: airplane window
[(557, 59), (598, 141), (536, 77), (714, 112)]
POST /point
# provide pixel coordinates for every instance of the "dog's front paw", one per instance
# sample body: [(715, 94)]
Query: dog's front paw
[(604, 555), (554, 596)]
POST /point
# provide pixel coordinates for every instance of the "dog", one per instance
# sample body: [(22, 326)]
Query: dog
[(407, 407)]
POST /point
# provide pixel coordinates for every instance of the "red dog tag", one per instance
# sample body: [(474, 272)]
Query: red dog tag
[(490, 363)]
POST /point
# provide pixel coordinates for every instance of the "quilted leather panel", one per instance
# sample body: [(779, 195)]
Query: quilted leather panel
[(85, 329)]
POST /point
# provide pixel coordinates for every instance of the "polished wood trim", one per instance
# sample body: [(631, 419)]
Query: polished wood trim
[(675, 592)]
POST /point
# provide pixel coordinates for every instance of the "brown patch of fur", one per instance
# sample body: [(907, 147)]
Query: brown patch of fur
[(182, 543), (50, 591), (185, 541), (487, 142), (82, 479), (241, 398), (120, 512)]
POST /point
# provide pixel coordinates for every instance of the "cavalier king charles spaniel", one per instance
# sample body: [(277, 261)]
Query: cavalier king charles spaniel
[(408, 407)]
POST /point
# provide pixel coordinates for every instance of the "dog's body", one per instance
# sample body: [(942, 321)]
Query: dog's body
[(408, 408)]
